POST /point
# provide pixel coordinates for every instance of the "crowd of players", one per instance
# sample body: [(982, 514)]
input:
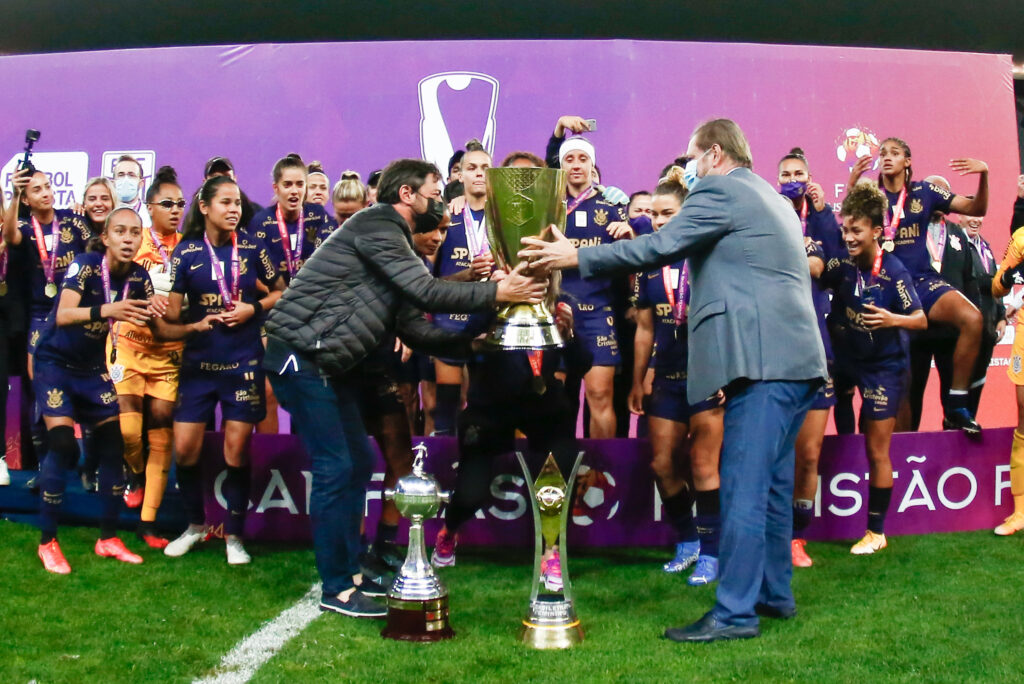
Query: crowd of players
[(141, 318)]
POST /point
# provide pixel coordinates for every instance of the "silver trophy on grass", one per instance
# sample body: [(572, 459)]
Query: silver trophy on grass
[(417, 600), (551, 622)]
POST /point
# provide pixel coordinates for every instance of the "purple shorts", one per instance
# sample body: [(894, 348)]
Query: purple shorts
[(239, 391), (87, 396), (929, 289), (595, 330), (668, 400)]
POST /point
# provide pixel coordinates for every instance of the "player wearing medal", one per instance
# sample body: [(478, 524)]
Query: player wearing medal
[(592, 220), (823, 241), (72, 385), (464, 255), (875, 298), (660, 371), (219, 269), (146, 370), (290, 229), (1002, 285), (907, 235)]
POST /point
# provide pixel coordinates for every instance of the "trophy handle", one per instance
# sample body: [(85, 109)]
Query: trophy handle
[(538, 546), (570, 492)]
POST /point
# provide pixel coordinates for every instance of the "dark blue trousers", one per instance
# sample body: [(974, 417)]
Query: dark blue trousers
[(761, 425)]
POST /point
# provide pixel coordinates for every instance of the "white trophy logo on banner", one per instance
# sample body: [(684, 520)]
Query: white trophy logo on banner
[(436, 127), (67, 171), (147, 159)]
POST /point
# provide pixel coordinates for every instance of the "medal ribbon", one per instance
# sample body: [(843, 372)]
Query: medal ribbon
[(286, 243), (107, 299), (678, 296), (3, 266), (876, 268), (45, 259), (229, 297), (476, 234), (160, 248), (803, 217), (892, 224), (536, 361), (936, 248), (580, 199)]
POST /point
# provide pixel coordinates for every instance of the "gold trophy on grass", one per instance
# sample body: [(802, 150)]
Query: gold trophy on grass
[(417, 600), (551, 622), (522, 202)]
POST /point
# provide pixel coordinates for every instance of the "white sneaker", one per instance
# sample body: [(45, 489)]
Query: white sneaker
[(183, 544), (237, 555), (5, 476)]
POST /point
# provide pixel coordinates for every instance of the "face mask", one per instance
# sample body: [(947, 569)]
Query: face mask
[(127, 189), (690, 172), (793, 189), (431, 218)]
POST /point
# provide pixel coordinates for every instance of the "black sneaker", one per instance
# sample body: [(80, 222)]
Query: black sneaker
[(390, 553), (357, 605), (961, 419), (373, 566), (371, 587)]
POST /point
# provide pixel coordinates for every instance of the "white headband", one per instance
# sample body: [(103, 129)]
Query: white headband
[(576, 145)]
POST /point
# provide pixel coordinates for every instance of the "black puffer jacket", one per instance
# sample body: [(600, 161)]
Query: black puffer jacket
[(364, 282)]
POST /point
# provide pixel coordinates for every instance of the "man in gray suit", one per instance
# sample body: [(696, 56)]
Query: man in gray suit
[(752, 332)]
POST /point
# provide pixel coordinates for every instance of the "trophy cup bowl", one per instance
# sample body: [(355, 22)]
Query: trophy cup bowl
[(417, 600), (522, 202)]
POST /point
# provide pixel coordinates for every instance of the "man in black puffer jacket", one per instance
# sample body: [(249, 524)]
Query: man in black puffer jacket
[(363, 284)]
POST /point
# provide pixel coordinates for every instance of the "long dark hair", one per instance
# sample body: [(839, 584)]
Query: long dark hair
[(909, 171), (195, 222), (798, 154)]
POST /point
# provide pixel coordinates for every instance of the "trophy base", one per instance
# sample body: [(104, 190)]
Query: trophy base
[(525, 327), (552, 624), (420, 620)]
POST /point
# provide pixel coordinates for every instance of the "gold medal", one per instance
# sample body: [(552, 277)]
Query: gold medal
[(3, 289), (888, 245), (50, 290)]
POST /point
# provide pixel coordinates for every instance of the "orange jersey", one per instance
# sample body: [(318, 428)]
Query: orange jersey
[(138, 337)]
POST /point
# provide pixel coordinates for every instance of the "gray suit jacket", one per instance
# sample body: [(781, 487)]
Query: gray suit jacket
[(751, 314)]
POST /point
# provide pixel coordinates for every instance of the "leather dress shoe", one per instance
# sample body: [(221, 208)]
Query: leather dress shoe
[(709, 629), (765, 610)]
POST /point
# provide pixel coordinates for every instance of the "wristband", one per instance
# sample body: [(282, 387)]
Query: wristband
[(94, 314), (1006, 279)]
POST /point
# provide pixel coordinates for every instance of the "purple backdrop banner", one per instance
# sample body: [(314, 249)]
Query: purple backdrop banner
[(944, 483)]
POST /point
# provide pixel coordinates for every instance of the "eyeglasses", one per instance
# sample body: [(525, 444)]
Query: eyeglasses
[(167, 204)]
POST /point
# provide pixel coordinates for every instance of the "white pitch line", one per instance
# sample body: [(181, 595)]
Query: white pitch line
[(249, 655)]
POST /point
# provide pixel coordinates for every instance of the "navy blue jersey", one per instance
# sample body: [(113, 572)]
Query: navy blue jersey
[(824, 228), (503, 377), (192, 275), (669, 339), (820, 298), (923, 199), (317, 227), (84, 346), (456, 254), (587, 226), (892, 289), (72, 236)]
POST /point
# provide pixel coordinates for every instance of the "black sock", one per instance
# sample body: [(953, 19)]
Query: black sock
[(803, 511), (956, 399), (111, 489), (191, 488), (51, 492), (878, 506), (709, 522), (679, 511), (386, 533), (446, 408), (236, 494)]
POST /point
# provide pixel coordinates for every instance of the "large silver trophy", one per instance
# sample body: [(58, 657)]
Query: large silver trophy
[(522, 202), (417, 599), (551, 621)]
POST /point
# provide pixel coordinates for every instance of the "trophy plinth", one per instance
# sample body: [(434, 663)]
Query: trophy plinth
[(522, 202), (417, 600), (551, 622)]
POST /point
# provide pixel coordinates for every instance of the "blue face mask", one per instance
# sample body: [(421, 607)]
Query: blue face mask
[(127, 189), (793, 189), (690, 172)]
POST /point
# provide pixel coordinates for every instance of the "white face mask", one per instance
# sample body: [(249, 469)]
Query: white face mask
[(127, 189)]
